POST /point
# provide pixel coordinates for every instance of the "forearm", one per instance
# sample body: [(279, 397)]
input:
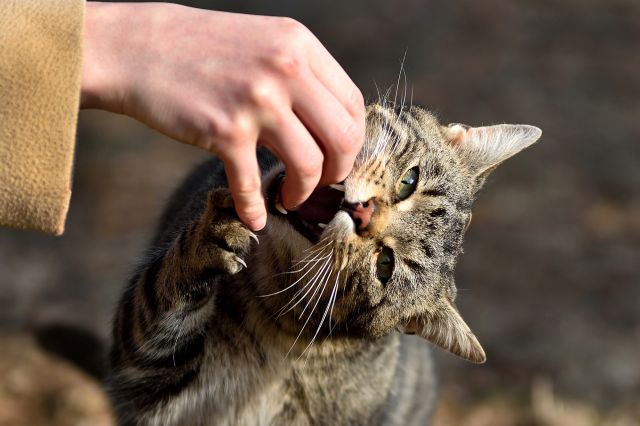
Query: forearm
[(40, 65), (116, 37)]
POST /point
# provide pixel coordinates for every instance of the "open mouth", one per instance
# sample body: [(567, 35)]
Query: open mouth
[(312, 216)]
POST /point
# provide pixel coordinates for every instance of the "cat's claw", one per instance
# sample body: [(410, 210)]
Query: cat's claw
[(254, 236), (278, 205), (240, 261)]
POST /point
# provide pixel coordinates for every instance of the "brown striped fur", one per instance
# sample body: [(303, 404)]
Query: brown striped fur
[(201, 339)]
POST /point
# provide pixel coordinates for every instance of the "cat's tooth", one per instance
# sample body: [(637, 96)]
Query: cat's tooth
[(280, 208), (322, 225), (254, 236), (337, 186), (240, 261)]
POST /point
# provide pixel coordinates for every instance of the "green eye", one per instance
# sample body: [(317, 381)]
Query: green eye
[(408, 183), (384, 264)]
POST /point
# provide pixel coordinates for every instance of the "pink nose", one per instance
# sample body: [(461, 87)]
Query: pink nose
[(361, 213)]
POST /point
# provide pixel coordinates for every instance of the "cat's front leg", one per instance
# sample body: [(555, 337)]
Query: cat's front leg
[(160, 326)]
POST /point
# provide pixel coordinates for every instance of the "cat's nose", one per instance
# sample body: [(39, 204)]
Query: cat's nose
[(360, 212)]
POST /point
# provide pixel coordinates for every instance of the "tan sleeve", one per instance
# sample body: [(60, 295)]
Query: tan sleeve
[(40, 65)]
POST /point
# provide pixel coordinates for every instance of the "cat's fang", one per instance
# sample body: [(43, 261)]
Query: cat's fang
[(322, 225), (337, 187)]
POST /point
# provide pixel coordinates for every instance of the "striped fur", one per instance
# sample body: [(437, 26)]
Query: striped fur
[(216, 328)]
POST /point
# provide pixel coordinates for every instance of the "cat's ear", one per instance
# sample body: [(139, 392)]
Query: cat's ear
[(445, 328), (483, 148)]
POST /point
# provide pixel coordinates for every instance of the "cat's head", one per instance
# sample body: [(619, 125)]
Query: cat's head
[(377, 253)]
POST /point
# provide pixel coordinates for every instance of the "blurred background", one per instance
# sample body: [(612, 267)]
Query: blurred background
[(550, 280)]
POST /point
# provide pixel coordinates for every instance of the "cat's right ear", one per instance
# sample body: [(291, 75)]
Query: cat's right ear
[(483, 148)]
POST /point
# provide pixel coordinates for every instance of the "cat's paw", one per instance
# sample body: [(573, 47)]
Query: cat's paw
[(229, 239)]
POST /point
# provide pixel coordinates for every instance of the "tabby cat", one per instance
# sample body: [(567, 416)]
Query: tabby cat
[(309, 321)]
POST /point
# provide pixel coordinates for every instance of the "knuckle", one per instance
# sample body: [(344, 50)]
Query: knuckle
[(355, 103), (292, 28), (311, 168), (246, 189), (236, 131), (222, 131), (286, 56), (217, 126), (349, 140), (286, 62), (252, 213), (262, 92)]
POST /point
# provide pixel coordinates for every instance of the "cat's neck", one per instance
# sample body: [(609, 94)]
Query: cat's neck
[(258, 317)]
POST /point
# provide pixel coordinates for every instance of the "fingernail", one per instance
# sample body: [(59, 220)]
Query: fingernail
[(279, 207), (257, 224), (279, 204)]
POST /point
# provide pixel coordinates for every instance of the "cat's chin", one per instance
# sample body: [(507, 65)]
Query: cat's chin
[(374, 323)]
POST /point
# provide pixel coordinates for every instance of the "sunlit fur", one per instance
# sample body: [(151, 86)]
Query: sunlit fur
[(306, 333)]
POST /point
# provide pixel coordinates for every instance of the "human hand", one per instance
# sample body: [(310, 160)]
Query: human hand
[(226, 82)]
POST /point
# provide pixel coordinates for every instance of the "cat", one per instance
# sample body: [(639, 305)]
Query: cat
[(309, 322)]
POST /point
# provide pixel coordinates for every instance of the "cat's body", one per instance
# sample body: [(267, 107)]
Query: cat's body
[(300, 328)]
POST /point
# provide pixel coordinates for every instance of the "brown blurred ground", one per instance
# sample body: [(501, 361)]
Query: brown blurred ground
[(550, 280)]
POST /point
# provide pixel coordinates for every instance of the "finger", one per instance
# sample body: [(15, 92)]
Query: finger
[(339, 135), (243, 176), (329, 72), (292, 143)]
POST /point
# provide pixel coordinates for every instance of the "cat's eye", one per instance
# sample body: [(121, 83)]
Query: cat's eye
[(384, 264), (408, 183)]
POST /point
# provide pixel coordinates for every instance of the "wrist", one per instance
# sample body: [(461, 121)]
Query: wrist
[(116, 37), (94, 50)]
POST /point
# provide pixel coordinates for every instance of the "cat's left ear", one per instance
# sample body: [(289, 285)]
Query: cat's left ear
[(483, 148), (444, 327)]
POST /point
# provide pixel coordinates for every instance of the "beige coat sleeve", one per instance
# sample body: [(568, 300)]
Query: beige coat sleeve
[(40, 65)]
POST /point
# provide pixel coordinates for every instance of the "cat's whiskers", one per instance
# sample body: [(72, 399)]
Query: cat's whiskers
[(308, 265), (318, 283), (324, 315), (325, 276), (306, 289), (319, 258), (395, 97), (330, 305), (324, 281), (308, 285), (334, 296), (384, 140), (317, 246), (402, 73)]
